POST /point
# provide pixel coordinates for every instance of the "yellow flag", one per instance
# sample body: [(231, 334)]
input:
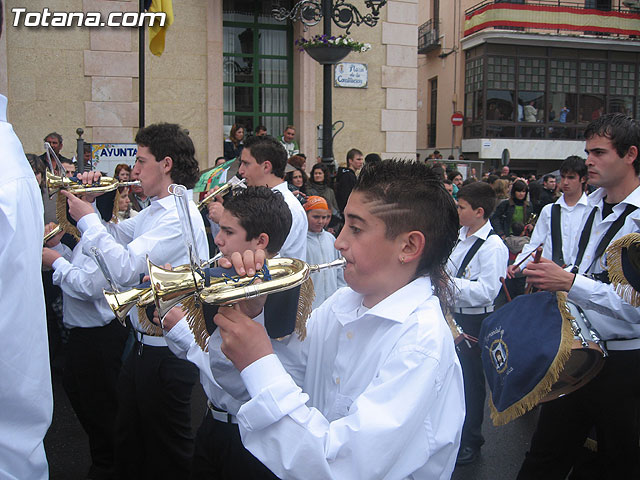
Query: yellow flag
[(156, 32)]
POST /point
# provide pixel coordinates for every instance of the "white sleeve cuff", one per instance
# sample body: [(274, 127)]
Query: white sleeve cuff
[(581, 288), (261, 374), (88, 221), (180, 335)]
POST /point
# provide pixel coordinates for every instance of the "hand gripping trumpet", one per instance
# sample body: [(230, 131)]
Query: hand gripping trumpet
[(232, 184), (56, 183), (171, 287)]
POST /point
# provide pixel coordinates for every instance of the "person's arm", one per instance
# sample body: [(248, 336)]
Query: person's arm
[(492, 258), (498, 220), (541, 235), (602, 297), (384, 432), (83, 283)]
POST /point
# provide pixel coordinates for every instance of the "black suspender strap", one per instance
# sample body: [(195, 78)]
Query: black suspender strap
[(470, 254), (606, 239), (584, 239), (556, 235)]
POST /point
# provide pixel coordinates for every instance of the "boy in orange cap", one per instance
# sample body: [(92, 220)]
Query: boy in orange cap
[(320, 249)]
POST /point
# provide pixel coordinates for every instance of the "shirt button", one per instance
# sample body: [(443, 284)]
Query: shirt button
[(349, 335), (337, 380)]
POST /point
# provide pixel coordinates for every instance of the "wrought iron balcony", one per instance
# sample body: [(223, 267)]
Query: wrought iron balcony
[(429, 36), (592, 17)]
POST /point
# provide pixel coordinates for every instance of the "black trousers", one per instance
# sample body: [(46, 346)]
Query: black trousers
[(474, 383), (153, 428), (611, 403), (220, 455)]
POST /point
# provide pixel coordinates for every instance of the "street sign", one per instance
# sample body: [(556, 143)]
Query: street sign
[(457, 119)]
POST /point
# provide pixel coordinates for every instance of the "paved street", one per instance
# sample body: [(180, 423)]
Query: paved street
[(68, 452)]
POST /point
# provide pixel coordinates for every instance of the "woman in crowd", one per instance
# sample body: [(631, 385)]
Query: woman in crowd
[(233, 145), (319, 185), (297, 183), (515, 209), (122, 172)]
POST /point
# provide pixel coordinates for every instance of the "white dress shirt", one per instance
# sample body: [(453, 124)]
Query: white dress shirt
[(183, 345), (295, 245), (82, 283), (371, 393), (611, 316), (26, 400), (571, 219), (480, 282), (320, 249), (155, 232)]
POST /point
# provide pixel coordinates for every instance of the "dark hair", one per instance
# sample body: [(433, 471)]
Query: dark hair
[(218, 158), (438, 172), (547, 177), (232, 133), (415, 200), (261, 128), (372, 157), (491, 179), (518, 186), (261, 210), (325, 170), (351, 154), (289, 178), (479, 195), (53, 134), (453, 174), (121, 166), (574, 164), (169, 140), (296, 161), (37, 165), (446, 181), (267, 148), (622, 130), (517, 228), (470, 180)]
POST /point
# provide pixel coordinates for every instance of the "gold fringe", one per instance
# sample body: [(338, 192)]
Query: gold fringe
[(616, 274), (591, 444), (531, 399), (307, 295), (148, 327), (63, 221), (192, 308)]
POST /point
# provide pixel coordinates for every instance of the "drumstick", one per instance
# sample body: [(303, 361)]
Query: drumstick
[(536, 259), (530, 253), (506, 290)]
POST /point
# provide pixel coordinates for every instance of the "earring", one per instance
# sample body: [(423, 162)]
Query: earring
[(402, 260)]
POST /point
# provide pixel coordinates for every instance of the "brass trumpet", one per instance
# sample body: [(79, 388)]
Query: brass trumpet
[(122, 302), (232, 184), (55, 183), (171, 287)]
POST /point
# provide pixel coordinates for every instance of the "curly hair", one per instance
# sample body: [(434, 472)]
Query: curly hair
[(169, 140)]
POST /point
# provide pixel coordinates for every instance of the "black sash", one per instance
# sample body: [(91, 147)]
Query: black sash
[(556, 235), (470, 254), (606, 239)]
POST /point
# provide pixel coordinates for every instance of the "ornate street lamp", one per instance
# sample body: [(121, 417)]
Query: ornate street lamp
[(344, 15)]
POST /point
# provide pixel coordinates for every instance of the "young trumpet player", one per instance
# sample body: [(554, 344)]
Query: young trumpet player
[(256, 218), (375, 389), (153, 426)]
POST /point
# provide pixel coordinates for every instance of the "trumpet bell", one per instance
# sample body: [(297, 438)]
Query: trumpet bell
[(170, 287), (121, 302), (55, 183)]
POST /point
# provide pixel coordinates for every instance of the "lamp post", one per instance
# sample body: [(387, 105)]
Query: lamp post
[(344, 15)]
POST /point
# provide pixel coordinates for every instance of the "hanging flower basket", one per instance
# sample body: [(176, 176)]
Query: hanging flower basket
[(330, 50)]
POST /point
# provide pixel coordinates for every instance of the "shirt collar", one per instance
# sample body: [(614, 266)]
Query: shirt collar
[(483, 232), (595, 199), (396, 307), (583, 200), (167, 202)]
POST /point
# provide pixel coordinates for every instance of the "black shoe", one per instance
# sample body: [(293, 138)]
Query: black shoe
[(467, 455)]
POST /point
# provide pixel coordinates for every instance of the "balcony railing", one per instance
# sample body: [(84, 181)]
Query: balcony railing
[(429, 36), (584, 18)]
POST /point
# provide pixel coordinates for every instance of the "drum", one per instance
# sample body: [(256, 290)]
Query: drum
[(586, 360), (535, 349)]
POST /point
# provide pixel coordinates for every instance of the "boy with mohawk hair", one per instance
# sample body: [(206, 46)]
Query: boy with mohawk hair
[(375, 390)]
